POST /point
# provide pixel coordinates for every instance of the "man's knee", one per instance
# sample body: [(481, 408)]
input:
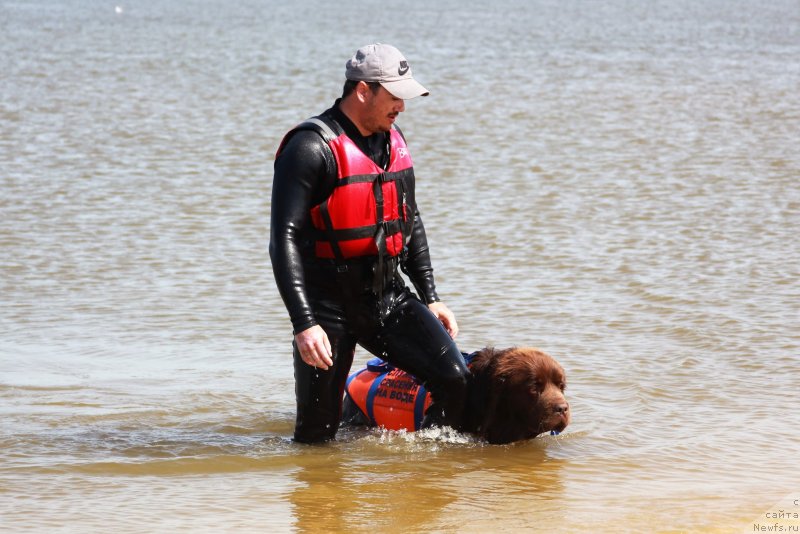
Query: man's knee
[(453, 380), (452, 374), (449, 392)]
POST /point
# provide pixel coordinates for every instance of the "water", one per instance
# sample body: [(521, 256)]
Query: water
[(614, 182)]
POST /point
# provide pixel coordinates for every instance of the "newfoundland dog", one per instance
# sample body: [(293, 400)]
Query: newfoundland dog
[(513, 394)]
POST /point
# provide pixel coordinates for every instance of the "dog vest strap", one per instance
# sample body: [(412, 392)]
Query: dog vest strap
[(373, 390), (469, 357), (419, 406)]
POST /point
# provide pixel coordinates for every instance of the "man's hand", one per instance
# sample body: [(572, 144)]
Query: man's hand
[(314, 347), (447, 318)]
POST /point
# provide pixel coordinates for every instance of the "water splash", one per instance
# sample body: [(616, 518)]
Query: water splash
[(428, 436)]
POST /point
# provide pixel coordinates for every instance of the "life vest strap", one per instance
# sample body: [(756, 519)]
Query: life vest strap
[(328, 235), (326, 131), (389, 176)]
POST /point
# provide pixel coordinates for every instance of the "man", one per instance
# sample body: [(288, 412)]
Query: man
[(344, 218)]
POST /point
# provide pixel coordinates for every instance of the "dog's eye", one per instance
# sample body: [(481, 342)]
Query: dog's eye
[(562, 386), (536, 385)]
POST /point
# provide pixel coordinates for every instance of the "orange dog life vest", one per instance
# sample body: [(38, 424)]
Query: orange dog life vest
[(389, 397)]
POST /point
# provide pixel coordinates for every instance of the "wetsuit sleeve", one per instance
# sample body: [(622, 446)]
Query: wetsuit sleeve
[(418, 263), (300, 172)]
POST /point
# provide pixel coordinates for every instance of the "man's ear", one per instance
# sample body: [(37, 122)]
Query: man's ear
[(362, 89)]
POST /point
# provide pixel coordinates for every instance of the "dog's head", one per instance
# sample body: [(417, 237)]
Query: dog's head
[(524, 392)]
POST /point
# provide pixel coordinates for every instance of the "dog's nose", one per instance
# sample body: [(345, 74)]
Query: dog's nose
[(561, 408)]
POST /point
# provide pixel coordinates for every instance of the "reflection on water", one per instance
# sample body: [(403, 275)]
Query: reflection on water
[(614, 183), (425, 483)]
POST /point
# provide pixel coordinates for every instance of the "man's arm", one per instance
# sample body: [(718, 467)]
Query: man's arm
[(300, 169), (419, 269), (418, 263)]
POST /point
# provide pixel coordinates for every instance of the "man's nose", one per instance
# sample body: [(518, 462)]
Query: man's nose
[(401, 106)]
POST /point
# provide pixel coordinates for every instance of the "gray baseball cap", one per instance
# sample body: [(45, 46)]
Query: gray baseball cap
[(385, 64)]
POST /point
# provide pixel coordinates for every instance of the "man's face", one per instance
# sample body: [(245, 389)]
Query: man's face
[(381, 109)]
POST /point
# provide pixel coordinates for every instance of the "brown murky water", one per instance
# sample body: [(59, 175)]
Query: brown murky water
[(615, 182)]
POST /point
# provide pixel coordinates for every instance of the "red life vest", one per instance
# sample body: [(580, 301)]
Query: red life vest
[(370, 211)]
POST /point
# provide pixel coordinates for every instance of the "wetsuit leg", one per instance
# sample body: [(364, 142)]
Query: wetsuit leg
[(414, 340), (319, 392)]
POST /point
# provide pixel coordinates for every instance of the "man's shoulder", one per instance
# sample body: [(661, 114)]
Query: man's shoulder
[(304, 137), (319, 128), (322, 125)]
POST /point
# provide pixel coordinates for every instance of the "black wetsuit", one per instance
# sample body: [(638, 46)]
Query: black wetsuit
[(392, 322)]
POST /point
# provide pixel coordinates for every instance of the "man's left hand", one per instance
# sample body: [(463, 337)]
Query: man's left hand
[(447, 318)]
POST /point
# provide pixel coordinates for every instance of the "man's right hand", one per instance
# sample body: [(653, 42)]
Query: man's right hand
[(314, 347)]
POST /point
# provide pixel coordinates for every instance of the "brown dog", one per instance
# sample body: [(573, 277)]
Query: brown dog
[(513, 394)]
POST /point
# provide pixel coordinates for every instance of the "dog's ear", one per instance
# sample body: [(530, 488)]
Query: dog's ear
[(514, 391), (508, 393), (502, 424), (483, 361), (495, 427)]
